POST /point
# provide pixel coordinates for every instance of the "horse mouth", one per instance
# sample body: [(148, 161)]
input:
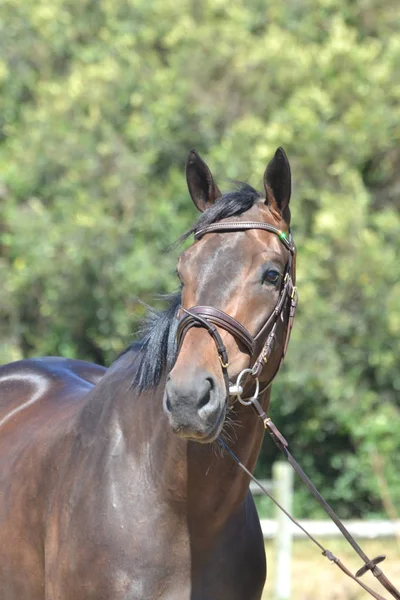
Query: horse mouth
[(203, 435)]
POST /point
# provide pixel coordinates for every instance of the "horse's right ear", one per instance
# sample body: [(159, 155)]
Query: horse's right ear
[(278, 184), (203, 190)]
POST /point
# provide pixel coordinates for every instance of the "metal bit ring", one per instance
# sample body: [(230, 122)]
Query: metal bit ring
[(237, 386)]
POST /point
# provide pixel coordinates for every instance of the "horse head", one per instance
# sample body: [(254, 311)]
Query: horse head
[(238, 298)]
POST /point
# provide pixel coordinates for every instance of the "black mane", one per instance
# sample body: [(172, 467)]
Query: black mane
[(158, 346)]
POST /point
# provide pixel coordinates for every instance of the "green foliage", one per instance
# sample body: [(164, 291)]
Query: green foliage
[(100, 102)]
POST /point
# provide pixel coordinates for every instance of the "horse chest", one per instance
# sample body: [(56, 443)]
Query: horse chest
[(154, 553)]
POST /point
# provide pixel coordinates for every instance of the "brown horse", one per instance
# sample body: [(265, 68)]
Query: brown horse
[(112, 482)]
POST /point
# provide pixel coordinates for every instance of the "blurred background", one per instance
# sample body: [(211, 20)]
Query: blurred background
[(101, 101)]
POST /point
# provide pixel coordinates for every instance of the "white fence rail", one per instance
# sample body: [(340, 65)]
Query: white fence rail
[(359, 529)]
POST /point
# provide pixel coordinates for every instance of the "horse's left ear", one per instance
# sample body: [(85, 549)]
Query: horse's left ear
[(202, 187), (278, 184)]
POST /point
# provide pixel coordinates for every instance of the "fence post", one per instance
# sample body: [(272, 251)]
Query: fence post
[(283, 491)]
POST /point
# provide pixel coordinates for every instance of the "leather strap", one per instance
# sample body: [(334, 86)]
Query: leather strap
[(196, 320), (223, 320), (222, 226)]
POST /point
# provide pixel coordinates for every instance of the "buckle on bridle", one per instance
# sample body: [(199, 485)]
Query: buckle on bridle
[(223, 365)]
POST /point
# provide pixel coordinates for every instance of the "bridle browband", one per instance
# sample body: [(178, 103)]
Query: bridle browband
[(211, 318)]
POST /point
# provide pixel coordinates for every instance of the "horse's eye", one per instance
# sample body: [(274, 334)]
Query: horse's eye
[(271, 276)]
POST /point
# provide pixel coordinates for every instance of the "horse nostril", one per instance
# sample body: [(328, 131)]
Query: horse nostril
[(206, 395), (211, 382), (168, 404), (204, 400)]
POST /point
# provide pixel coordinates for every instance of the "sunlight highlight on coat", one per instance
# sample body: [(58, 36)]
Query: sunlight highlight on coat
[(38, 392)]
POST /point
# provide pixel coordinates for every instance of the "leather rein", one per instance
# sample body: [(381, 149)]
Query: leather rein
[(211, 318)]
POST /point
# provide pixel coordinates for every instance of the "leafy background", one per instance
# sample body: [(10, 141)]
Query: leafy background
[(100, 103)]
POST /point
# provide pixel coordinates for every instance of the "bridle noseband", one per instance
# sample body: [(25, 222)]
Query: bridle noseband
[(211, 318)]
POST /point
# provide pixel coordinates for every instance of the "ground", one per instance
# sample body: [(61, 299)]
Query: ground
[(315, 578)]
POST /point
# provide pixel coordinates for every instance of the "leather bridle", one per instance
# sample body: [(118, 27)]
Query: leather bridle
[(211, 318)]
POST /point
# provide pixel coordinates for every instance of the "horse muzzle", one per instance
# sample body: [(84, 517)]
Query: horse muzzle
[(195, 406)]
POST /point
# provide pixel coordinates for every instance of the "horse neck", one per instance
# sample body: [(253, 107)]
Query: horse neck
[(217, 485), (200, 481)]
